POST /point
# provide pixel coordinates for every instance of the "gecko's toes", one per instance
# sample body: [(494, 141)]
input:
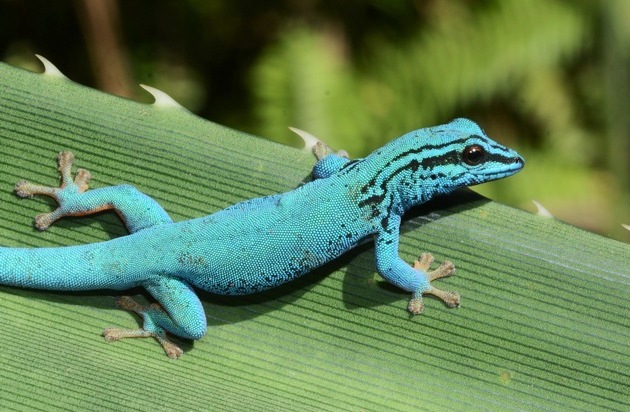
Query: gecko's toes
[(446, 268)]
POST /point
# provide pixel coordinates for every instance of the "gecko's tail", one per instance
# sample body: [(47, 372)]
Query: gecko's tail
[(34, 268), (62, 268)]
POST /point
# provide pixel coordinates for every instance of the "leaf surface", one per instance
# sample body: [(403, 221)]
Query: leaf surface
[(543, 324)]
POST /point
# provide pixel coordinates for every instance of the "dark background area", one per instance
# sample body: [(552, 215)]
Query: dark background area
[(549, 78)]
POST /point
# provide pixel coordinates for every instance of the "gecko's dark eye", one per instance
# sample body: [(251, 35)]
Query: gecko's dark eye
[(473, 155)]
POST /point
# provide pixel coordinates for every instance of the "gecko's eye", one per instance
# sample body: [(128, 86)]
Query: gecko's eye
[(473, 155)]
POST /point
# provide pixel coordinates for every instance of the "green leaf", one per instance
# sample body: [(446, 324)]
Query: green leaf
[(543, 324)]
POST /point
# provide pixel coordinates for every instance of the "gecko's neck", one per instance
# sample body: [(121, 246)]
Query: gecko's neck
[(394, 180)]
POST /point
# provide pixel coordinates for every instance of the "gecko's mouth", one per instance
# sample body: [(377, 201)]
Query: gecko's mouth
[(507, 168)]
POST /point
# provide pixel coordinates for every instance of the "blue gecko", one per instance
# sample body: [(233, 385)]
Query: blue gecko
[(259, 243)]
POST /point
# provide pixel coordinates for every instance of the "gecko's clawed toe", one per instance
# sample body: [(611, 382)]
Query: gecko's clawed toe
[(172, 350), (43, 221), (445, 269), (82, 180), (450, 298), (423, 262), (65, 160), (22, 188), (416, 305)]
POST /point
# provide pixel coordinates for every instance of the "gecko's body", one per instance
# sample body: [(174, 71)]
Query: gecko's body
[(259, 243)]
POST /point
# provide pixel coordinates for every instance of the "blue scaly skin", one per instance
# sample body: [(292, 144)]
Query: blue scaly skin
[(259, 243)]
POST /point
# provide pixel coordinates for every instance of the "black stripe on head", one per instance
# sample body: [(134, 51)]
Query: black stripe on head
[(506, 160)]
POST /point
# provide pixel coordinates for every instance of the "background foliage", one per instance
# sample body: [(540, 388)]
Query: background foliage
[(548, 77)]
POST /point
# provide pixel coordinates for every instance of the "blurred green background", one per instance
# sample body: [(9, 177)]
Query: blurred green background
[(550, 78)]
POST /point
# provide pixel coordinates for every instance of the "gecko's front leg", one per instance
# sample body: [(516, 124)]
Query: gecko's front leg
[(329, 161), (415, 279)]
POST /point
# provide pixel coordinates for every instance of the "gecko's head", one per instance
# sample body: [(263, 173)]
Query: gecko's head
[(465, 156)]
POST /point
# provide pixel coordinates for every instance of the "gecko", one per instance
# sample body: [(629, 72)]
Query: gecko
[(259, 243)]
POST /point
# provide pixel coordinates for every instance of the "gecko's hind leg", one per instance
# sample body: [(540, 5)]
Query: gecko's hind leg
[(136, 209), (452, 299), (179, 312), (148, 330)]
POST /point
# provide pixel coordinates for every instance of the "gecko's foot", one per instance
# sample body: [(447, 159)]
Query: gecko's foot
[(321, 150), (318, 147), (69, 187), (113, 334), (172, 350), (452, 299)]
